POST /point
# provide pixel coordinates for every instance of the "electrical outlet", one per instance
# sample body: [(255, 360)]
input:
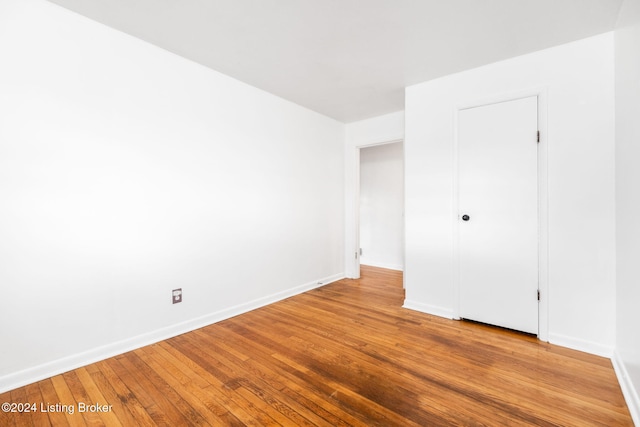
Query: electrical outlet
[(176, 295)]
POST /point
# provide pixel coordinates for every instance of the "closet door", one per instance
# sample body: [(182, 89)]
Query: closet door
[(498, 214)]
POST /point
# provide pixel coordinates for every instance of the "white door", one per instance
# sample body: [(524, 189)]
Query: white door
[(498, 214)]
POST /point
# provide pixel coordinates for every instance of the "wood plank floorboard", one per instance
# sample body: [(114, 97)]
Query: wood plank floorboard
[(345, 354)]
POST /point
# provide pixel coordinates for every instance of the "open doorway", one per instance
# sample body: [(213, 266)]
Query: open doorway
[(381, 206)]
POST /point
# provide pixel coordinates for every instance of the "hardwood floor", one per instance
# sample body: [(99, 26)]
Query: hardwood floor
[(344, 354)]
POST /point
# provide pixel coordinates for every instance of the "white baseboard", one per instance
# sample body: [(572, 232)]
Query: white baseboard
[(396, 267), (429, 309), (50, 369), (581, 345), (628, 390)]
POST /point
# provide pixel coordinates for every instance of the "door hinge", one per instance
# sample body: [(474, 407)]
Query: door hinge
[(538, 137), (538, 294)]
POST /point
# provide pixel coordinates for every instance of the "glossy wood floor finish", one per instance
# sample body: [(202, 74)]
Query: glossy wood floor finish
[(344, 354)]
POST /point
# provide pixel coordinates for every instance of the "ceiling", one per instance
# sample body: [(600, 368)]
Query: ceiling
[(349, 59)]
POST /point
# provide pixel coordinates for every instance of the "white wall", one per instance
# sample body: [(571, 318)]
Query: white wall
[(577, 83), (363, 133), (382, 206), (627, 358), (127, 171)]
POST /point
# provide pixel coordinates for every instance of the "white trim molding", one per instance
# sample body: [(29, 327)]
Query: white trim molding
[(396, 267), (581, 345), (56, 367), (628, 390), (434, 310)]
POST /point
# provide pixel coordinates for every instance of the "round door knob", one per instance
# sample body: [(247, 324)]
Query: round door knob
[(465, 217)]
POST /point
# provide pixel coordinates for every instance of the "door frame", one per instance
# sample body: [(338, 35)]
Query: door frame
[(352, 226), (543, 201)]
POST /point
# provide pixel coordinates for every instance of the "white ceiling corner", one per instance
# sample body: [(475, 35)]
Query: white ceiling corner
[(349, 59)]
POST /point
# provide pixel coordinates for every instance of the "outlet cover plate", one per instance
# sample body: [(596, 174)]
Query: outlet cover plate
[(176, 295)]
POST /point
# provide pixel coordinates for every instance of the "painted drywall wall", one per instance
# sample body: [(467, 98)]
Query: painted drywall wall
[(578, 86), (127, 171), (364, 133), (382, 206), (627, 356)]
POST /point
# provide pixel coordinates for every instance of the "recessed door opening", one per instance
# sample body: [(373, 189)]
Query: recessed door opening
[(380, 230)]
